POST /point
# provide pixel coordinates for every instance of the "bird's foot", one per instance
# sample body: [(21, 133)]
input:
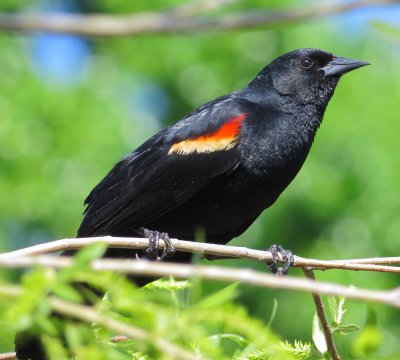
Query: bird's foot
[(278, 251), (152, 252)]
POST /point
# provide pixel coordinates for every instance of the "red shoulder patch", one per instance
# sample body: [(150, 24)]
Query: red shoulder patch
[(222, 139)]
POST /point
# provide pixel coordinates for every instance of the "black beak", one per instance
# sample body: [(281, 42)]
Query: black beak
[(341, 65)]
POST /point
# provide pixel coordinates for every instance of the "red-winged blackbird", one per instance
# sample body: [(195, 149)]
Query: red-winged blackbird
[(223, 164), (220, 166)]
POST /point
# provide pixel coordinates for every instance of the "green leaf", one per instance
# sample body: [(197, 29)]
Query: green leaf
[(333, 307), (90, 253), (81, 261), (344, 329), (337, 310), (54, 348), (169, 284), (73, 335), (227, 294), (300, 350), (140, 356), (318, 336), (67, 292), (46, 325)]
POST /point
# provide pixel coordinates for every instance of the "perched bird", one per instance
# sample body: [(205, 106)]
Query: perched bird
[(222, 165)]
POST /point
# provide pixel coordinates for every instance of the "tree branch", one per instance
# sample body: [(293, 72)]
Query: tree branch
[(183, 19), (184, 271), (322, 318), (372, 264)]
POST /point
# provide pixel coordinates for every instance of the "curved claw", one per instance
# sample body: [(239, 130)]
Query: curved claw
[(287, 256), (154, 245), (169, 249)]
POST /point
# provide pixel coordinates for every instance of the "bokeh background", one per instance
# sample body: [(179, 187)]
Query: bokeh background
[(70, 107)]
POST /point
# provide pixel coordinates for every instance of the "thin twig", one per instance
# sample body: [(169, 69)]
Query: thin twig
[(8, 356), (90, 315), (372, 264), (390, 260), (322, 318), (174, 20), (184, 271)]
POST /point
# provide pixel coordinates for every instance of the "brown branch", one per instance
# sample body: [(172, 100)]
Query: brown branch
[(176, 20), (90, 315), (372, 264), (322, 318), (184, 271)]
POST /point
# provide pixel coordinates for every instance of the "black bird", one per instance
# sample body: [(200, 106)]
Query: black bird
[(221, 166)]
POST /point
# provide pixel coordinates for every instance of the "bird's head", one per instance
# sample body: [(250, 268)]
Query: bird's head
[(309, 75)]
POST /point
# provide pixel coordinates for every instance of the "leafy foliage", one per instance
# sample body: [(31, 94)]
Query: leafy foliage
[(213, 326)]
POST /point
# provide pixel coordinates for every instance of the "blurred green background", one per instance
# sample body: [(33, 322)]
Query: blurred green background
[(71, 107)]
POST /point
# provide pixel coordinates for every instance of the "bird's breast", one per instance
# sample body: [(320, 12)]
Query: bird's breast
[(275, 153)]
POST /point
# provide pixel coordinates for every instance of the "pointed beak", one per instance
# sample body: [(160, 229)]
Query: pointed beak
[(341, 65)]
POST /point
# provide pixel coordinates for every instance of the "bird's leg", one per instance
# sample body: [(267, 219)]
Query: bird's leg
[(287, 257), (154, 245), (169, 248)]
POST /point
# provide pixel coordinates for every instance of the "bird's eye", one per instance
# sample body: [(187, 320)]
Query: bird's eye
[(306, 63)]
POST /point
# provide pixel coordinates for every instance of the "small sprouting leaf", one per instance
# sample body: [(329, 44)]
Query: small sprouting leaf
[(333, 307), (344, 329), (340, 310), (300, 350), (337, 310), (318, 336)]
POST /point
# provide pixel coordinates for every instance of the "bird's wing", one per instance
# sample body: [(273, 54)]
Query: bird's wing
[(167, 169)]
